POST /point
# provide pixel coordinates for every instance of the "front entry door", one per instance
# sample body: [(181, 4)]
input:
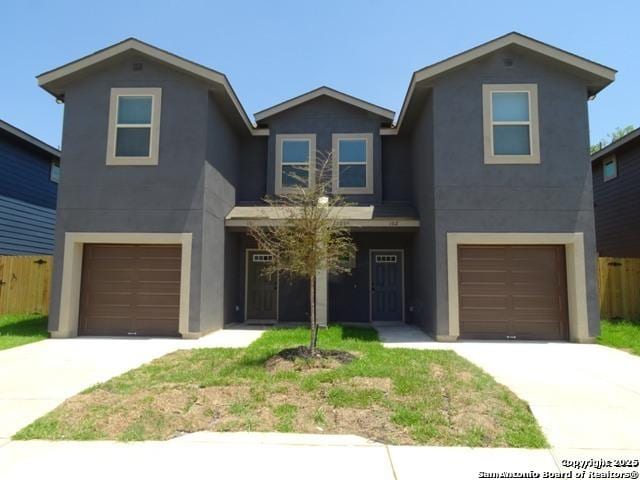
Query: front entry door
[(262, 291), (387, 296)]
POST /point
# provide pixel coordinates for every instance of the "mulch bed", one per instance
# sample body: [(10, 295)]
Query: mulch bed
[(305, 353)]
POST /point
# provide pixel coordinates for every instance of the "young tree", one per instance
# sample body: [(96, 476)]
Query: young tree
[(307, 234)]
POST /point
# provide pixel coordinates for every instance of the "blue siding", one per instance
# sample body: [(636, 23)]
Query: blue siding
[(25, 229), (25, 173)]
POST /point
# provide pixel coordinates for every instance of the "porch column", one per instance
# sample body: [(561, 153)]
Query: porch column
[(322, 300)]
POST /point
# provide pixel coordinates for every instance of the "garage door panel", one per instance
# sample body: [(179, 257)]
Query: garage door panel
[(108, 325), (471, 277), (158, 299), (159, 264), (106, 287), (512, 291), (493, 302), (120, 264), (130, 289), (536, 302), (165, 275), (485, 330), (536, 331)]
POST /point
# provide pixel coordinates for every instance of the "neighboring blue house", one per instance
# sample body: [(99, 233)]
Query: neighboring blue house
[(28, 193)]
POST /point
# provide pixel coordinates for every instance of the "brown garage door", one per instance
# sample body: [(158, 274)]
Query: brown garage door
[(130, 290), (512, 291)]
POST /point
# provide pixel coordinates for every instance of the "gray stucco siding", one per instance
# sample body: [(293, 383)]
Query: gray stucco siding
[(421, 140), (252, 180), (396, 169), (469, 196), (323, 117), (166, 198)]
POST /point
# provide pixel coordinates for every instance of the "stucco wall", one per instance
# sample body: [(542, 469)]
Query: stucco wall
[(469, 196), (325, 116), (164, 198), (422, 140)]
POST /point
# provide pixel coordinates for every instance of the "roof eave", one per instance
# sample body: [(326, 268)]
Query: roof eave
[(7, 127), (605, 75), (318, 92), (46, 79)]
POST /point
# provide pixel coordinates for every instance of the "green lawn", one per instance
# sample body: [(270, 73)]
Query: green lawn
[(18, 330), (396, 396), (622, 334)]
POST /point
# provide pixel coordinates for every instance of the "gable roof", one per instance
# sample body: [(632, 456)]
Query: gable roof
[(613, 146), (329, 92), (15, 131), (600, 75), (50, 80)]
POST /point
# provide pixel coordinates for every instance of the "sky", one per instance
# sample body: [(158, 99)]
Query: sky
[(272, 50)]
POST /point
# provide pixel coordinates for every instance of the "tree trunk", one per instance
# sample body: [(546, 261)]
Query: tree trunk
[(312, 314)]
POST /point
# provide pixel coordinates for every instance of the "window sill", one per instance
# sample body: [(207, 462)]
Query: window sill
[(132, 161), (512, 160), (353, 191)]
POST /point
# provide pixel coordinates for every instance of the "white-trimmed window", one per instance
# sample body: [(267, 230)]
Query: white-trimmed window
[(54, 172), (609, 168), (511, 133), (134, 126), (295, 161), (353, 163)]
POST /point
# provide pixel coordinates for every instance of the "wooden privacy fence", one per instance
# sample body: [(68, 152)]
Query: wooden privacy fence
[(25, 283), (619, 285)]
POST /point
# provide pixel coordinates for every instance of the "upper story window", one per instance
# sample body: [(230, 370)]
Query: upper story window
[(510, 122), (609, 168), (54, 172), (295, 165), (134, 124), (353, 163)]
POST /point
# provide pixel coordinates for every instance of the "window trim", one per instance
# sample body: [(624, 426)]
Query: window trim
[(51, 177), (154, 138), (614, 160), (280, 139), (368, 188), (534, 128)]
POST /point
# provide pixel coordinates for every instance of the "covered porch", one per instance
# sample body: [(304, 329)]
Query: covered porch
[(378, 290)]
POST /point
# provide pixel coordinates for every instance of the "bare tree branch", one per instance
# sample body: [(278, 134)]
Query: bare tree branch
[(307, 233)]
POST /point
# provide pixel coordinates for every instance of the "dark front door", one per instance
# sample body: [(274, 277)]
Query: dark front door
[(262, 290), (387, 302)]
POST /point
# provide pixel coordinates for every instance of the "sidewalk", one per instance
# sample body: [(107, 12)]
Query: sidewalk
[(272, 456)]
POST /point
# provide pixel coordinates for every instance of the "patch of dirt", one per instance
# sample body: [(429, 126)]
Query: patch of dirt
[(379, 383), (302, 359), (436, 370), (306, 353), (464, 376)]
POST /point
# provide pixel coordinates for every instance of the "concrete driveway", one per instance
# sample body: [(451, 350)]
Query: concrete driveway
[(584, 396), (35, 378)]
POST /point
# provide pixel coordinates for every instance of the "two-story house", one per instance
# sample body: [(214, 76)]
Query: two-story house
[(28, 192), (472, 211)]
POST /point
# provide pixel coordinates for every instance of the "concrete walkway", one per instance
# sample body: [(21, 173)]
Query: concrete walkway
[(35, 378), (583, 396), (271, 456)]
